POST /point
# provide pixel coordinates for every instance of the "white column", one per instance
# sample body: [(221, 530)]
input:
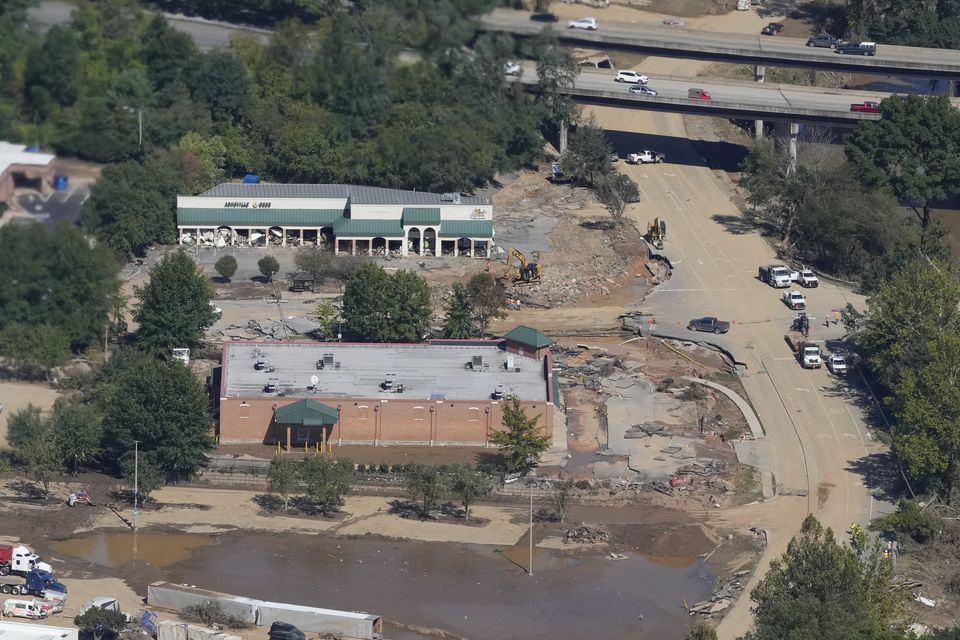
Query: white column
[(422, 234), (301, 236), (456, 246), (283, 238), (759, 71), (353, 247), (471, 247), (792, 144)]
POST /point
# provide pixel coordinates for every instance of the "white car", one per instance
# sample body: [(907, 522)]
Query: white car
[(511, 68), (837, 365), (632, 77), (583, 23)]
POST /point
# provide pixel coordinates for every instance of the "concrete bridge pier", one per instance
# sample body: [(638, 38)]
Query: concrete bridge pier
[(759, 71), (790, 131), (564, 131)]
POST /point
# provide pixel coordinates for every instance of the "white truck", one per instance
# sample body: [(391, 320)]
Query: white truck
[(837, 364), (646, 157), (795, 300), (808, 353), (775, 275), (19, 560), (805, 278)]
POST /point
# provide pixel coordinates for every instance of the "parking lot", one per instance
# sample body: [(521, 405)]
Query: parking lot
[(59, 206)]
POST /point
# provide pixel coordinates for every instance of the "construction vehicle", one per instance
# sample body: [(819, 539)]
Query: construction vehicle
[(808, 353), (525, 272), (657, 232), (37, 583), (19, 560), (79, 497)]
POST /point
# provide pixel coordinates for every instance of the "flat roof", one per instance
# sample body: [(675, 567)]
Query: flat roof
[(357, 194), (426, 371), (11, 154)]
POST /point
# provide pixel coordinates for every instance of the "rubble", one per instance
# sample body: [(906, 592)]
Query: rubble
[(722, 597), (586, 534)]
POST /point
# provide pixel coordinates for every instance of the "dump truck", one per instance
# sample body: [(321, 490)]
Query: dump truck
[(807, 352), (776, 275), (20, 560)]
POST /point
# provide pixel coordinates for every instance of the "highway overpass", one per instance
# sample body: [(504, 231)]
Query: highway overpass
[(676, 42), (730, 99)]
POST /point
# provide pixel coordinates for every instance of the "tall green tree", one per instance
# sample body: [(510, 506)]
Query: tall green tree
[(488, 300), (469, 485), (173, 308), (78, 430), (587, 158), (327, 481), (25, 425), (424, 484), (458, 324), (268, 267), (101, 624), (161, 404), (166, 52), (556, 74), (913, 151), (31, 351), (218, 80), (283, 477), (821, 589), (520, 440), (41, 458), (226, 266), (315, 261), (52, 71), (616, 190), (926, 406), (379, 307)]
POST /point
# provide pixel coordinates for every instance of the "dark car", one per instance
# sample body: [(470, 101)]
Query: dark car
[(772, 29), (823, 40), (708, 324), (857, 48), (544, 17)]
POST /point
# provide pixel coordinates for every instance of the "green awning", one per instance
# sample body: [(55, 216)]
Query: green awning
[(528, 337), (351, 228), (421, 216), (476, 229), (258, 217), (307, 413)]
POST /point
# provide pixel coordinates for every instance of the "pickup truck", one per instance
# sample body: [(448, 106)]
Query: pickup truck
[(805, 278), (867, 106), (837, 364), (776, 275), (857, 48), (646, 157), (709, 324), (795, 300), (808, 353)]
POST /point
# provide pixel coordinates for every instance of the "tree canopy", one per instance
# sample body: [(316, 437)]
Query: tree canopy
[(520, 440), (174, 306), (382, 307)]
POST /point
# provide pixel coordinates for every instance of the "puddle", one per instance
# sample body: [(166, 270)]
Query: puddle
[(117, 549), (471, 591)]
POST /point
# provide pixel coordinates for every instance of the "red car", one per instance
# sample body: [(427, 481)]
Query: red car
[(866, 107)]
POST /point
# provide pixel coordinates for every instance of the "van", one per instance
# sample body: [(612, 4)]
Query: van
[(698, 94), (33, 609)]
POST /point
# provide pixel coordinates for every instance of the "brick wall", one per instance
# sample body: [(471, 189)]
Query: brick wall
[(369, 421)]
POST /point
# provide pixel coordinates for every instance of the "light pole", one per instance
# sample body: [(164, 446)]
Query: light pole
[(530, 535), (136, 481)]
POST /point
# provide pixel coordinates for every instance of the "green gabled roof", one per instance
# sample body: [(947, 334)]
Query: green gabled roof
[(480, 229), (259, 217), (528, 337), (421, 215), (308, 413), (350, 228)]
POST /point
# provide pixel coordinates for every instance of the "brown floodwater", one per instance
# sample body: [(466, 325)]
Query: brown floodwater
[(472, 591), (113, 550)]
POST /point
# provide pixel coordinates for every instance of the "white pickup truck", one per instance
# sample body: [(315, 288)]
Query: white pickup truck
[(646, 157), (837, 364), (776, 275), (805, 278), (795, 300)]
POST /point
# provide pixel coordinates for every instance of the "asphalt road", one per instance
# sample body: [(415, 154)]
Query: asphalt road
[(207, 34), (733, 47)]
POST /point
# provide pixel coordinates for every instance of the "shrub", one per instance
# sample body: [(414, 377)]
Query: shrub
[(583, 485), (909, 520), (384, 468), (361, 468), (397, 468), (210, 613), (665, 384)]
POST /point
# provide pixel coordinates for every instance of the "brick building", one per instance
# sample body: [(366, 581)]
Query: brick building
[(446, 392)]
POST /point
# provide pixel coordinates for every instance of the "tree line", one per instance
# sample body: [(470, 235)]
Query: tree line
[(326, 100), (843, 212)]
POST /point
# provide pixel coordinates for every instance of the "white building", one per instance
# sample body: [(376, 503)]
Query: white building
[(356, 220)]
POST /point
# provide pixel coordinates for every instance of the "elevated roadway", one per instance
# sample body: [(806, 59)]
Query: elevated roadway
[(677, 42)]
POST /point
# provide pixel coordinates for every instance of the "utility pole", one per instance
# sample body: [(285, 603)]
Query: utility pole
[(530, 535), (136, 481)]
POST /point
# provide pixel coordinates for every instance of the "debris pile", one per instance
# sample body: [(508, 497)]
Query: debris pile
[(272, 329), (586, 534), (722, 597)]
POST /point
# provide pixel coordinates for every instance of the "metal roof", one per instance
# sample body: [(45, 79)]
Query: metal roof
[(425, 371), (17, 154), (481, 229), (356, 194), (349, 228), (421, 215), (307, 413), (259, 217), (528, 337)]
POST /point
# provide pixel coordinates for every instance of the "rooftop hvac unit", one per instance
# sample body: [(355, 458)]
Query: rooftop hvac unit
[(477, 363), (328, 359), (510, 363)]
